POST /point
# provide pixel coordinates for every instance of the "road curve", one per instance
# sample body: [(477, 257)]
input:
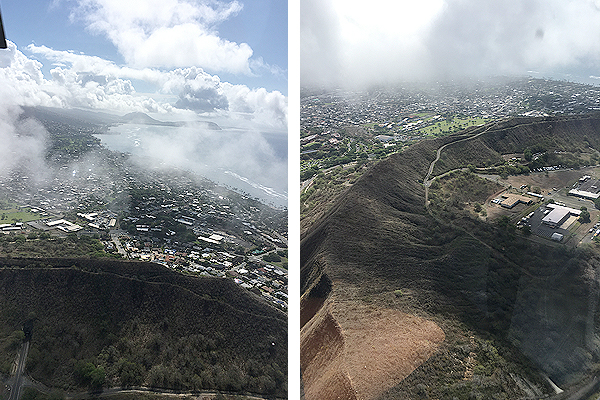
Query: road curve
[(427, 181)]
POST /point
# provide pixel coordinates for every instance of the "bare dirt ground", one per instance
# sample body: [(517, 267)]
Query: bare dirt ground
[(554, 179), (383, 346), (352, 350), (321, 359), (309, 307)]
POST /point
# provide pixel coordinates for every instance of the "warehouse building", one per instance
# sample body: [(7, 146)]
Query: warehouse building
[(587, 188), (557, 215)]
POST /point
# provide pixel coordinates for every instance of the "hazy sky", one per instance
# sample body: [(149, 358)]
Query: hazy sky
[(208, 56), (379, 41)]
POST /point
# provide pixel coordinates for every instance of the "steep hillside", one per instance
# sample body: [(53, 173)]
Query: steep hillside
[(140, 324), (510, 310)]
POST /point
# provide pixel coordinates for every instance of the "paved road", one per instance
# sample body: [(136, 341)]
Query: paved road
[(117, 242), (171, 393), (17, 380)]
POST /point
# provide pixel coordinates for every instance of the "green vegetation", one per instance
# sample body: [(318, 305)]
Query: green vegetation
[(32, 394), (451, 125), (108, 323), (278, 258), (460, 189), (272, 257), (90, 375), (44, 246), (325, 188), (10, 343), (356, 145), (584, 217), (10, 213)]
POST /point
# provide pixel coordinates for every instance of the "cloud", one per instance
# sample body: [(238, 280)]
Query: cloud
[(23, 142), (168, 33), (92, 82), (370, 43), (539, 35), (202, 99), (269, 108), (261, 171)]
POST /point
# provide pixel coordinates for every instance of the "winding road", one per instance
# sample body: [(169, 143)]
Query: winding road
[(427, 181)]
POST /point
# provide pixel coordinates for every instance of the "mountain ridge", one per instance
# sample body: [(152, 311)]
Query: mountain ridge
[(378, 245), (176, 332)]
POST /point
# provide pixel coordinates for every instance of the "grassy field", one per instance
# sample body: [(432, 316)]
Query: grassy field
[(11, 212), (455, 125), (281, 264)]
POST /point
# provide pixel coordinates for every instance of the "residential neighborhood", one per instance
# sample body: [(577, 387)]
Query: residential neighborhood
[(169, 217)]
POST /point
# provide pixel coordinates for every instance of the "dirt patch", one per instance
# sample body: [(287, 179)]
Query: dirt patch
[(321, 359), (553, 179), (383, 346), (350, 350)]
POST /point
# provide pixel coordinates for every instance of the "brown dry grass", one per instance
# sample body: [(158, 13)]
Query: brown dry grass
[(351, 350), (321, 359)]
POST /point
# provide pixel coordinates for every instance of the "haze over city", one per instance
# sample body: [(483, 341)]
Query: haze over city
[(365, 43)]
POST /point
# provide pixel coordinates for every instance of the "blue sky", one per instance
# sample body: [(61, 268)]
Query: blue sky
[(219, 57), (261, 23)]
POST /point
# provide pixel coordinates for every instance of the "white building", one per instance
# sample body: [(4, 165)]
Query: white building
[(558, 215)]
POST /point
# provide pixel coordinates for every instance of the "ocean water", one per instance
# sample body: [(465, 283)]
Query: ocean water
[(248, 161)]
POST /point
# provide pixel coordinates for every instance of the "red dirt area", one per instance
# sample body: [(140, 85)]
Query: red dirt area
[(321, 360), (350, 350)]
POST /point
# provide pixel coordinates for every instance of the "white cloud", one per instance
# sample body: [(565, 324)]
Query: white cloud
[(269, 108), (23, 141), (378, 42), (168, 33), (92, 82)]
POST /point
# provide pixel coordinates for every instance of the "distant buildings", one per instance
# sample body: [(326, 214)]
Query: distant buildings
[(64, 225), (587, 188)]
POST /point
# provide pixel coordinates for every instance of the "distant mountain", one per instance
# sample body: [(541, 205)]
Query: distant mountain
[(400, 300), (143, 325), (144, 119), (100, 120)]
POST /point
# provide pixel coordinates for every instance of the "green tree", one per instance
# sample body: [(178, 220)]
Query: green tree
[(273, 257), (584, 217), (90, 375)]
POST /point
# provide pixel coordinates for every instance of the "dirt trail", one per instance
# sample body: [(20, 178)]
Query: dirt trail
[(350, 350)]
